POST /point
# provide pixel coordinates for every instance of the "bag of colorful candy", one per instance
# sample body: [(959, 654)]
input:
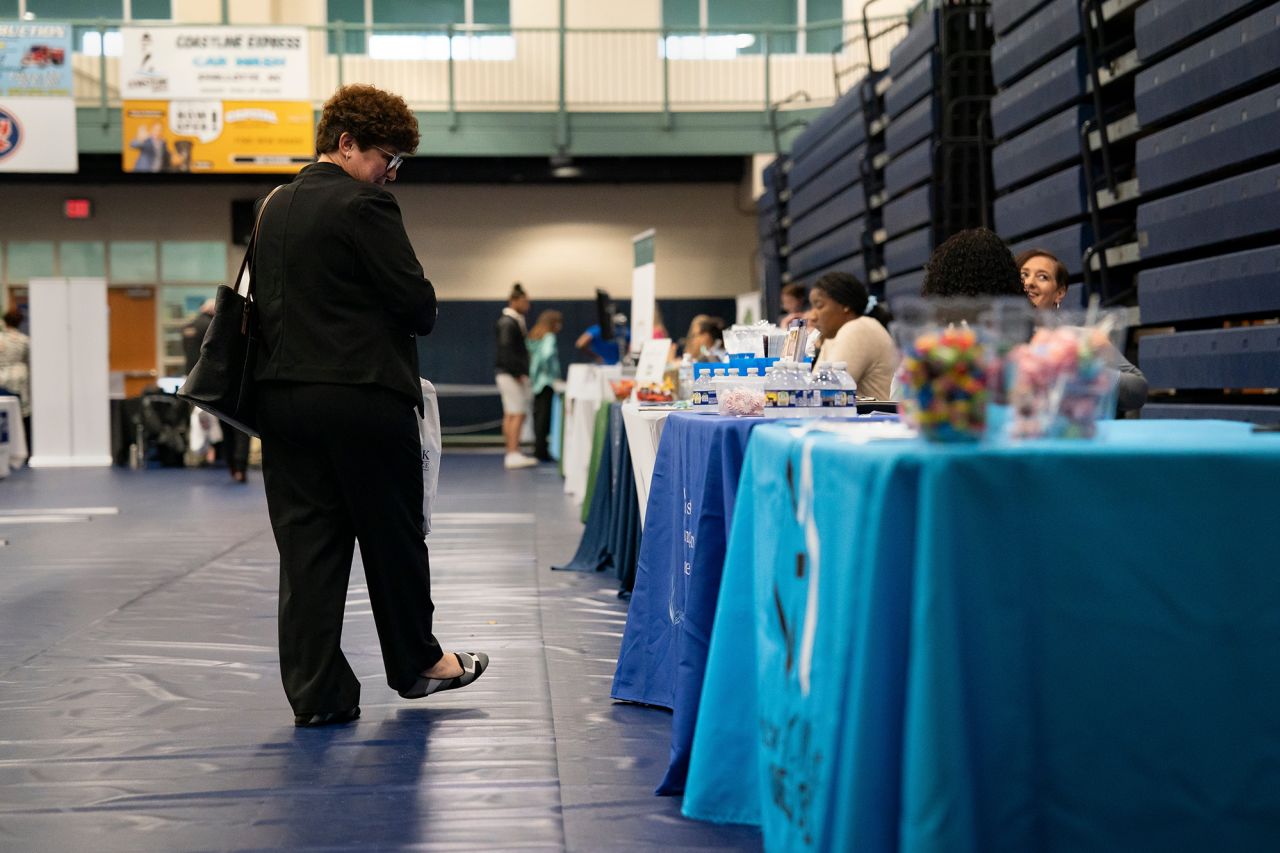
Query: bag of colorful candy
[(952, 352), (1064, 380)]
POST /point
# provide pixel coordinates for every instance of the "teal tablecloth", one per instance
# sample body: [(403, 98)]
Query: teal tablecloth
[(1053, 646)]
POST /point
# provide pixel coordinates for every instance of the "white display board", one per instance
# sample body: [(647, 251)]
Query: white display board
[(653, 361), (643, 282), (71, 415), (750, 308), (222, 63)]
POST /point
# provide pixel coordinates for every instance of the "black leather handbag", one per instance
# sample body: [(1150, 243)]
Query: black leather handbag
[(221, 383)]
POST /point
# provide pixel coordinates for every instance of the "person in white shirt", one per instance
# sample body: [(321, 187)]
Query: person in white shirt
[(839, 306)]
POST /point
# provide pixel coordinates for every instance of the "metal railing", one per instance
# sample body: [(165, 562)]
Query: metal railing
[(454, 68)]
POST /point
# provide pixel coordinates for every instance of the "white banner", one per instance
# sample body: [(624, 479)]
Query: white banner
[(38, 135), (223, 63), (643, 284)]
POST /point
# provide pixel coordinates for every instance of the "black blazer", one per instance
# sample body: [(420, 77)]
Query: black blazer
[(513, 352), (340, 294)]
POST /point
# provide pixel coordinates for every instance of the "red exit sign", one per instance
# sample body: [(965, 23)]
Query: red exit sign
[(77, 208)]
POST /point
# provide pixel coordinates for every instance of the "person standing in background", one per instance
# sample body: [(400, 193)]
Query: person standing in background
[(235, 444), (544, 372), (15, 366), (513, 375), (592, 342)]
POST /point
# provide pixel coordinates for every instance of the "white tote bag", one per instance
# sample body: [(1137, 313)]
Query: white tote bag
[(429, 430)]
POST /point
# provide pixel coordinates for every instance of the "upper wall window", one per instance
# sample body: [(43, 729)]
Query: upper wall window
[(89, 40), (417, 29), (723, 29)]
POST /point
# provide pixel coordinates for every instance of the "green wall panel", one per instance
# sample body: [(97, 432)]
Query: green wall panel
[(27, 260), (194, 261), (133, 262), (144, 10), (83, 258)]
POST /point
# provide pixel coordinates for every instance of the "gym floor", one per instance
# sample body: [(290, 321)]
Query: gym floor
[(141, 707)]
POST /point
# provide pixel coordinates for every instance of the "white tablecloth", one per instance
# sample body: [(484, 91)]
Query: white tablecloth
[(644, 431), (17, 445), (586, 388)]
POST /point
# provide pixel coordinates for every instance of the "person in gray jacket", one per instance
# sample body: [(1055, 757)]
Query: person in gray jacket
[(1044, 280)]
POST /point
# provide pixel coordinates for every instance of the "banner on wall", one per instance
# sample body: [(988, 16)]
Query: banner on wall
[(216, 99), (643, 282), (217, 137), (214, 63), (37, 113), (35, 60), (38, 135)]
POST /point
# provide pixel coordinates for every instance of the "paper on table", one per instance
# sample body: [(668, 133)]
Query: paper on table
[(857, 433)]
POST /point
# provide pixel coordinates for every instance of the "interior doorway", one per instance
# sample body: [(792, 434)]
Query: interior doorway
[(133, 336)]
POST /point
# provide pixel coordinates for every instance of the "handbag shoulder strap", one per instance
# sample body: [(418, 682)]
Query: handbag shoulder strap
[(253, 242)]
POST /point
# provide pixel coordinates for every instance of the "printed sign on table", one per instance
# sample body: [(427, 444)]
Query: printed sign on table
[(35, 59), (214, 63), (213, 136)]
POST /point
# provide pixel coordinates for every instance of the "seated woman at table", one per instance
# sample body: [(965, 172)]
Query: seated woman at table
[(849, 334), (1044, 280), (706, 339)]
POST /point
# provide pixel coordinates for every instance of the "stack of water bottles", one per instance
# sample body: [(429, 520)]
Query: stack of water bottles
[(768, 387)]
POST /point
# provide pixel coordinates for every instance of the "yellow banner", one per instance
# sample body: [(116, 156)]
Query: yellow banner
[(217, 136)]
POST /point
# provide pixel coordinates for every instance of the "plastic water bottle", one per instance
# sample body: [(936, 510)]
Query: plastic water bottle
[(779, 387), (830, 394), (703, 392), (841, 370), (685, 378), (813, 386)]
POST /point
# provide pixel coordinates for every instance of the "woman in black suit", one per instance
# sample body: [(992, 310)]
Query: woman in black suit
[(341, 298)]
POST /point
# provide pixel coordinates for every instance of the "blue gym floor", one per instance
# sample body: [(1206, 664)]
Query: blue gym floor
[(141, 709)]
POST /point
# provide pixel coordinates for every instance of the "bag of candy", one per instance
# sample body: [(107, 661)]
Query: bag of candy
[(1064, 380), (952, 354)]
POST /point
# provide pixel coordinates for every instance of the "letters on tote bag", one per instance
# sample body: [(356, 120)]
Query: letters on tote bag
[(221, 383)]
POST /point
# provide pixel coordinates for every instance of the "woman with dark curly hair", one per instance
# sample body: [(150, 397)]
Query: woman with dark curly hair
[(341, 298), (974, 262)]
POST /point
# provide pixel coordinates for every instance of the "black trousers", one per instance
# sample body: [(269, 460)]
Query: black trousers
[(542, 422), (341, 464)]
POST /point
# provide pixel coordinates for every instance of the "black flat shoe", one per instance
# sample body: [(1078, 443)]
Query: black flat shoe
[(328, 718), (473, 666)]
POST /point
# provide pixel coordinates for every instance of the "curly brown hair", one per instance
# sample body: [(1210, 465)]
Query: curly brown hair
[(371, 116), (974, 262)]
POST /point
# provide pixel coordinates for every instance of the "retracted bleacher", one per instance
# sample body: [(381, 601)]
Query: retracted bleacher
[(1207, 102), (827, 206), (770, 218), (827, 215), (936, 171), (1064, 71)]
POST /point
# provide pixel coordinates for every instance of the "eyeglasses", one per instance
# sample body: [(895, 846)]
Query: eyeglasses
[(393, 160)]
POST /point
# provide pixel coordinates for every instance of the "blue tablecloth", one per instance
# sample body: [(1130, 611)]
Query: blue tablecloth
[(611, 537), (1053, 646), (691, 505)]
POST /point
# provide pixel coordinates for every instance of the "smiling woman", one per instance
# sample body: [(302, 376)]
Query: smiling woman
[(1044, 277)]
